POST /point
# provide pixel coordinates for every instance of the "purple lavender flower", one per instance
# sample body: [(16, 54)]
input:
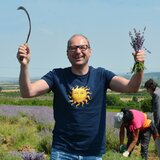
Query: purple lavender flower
[(137, 40), (15, 154), (32, 156), (137, 43), (38, 113)]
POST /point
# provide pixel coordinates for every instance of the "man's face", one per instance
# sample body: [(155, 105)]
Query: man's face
[(150, 91), (78, 51)]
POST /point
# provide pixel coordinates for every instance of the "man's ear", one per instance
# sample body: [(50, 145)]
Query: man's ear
[(90, 50), (67, 53)]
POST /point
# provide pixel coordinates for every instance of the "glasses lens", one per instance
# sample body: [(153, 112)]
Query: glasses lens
[(81, 47), (73, 48)]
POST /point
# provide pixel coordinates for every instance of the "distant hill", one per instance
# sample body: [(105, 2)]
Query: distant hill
[(154, 75), (8, 80), (12, 80)]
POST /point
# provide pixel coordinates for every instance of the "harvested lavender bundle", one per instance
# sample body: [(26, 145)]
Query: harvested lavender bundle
[(137, 44)]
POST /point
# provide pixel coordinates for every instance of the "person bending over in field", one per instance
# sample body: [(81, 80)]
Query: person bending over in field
[(139, 130)]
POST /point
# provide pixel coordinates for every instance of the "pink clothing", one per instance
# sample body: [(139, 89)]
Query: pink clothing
[(139, 120)]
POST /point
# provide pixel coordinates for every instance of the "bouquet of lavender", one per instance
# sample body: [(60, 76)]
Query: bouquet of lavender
[(137, 43)]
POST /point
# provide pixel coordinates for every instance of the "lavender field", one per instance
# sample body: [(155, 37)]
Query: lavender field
[(43, 114)]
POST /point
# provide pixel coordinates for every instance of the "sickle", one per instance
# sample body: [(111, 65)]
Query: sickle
[(22, 8)]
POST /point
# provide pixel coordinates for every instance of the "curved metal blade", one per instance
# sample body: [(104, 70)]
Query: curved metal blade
[(22, 8)]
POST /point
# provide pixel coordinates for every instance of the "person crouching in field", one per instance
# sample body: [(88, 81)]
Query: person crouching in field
[(139, 130)]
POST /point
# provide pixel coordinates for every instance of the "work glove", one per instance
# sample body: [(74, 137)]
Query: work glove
[(122, 148), (126, 154)]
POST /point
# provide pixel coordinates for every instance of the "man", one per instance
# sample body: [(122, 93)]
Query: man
[(139, 130), (153, 89), (79, 99)]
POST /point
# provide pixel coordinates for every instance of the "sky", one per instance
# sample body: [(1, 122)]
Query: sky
[(106, 23)]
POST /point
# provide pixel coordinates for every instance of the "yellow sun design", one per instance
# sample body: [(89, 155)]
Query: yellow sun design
[(79, 95)]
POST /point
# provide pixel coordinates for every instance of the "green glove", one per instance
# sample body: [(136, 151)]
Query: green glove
[(122, 148)]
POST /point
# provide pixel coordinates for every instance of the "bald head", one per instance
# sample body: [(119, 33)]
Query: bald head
[(77, 36)]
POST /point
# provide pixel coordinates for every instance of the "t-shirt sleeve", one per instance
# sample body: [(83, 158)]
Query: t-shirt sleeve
[(49, 78), (109, 75)]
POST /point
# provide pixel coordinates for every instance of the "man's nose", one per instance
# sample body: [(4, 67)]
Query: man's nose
[(78, 50)]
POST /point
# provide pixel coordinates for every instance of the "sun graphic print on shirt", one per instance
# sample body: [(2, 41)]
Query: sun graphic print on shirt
[(79, 95)]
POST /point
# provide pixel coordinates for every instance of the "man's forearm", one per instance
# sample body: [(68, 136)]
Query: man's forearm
[(24, 81), (135, 81)]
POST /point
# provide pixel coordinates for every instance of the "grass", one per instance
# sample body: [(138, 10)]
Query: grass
[(15, 133), (14, 98), (21, 133)]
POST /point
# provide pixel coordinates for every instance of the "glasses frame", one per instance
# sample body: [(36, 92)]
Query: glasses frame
[(78, 46)]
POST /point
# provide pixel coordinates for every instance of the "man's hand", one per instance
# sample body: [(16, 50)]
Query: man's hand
[(23, 54), (139, 56), (139, 61)]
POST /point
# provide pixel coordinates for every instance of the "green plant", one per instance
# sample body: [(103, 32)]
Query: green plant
[(44, 126), (146, 105), (7, 156), (112, 140), (135, 99), (45, 144), (113, 100)]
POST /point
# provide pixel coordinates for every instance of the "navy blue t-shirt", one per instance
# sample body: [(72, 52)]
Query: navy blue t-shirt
[(79, 110)]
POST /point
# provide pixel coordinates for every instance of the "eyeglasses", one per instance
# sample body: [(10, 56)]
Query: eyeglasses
[(81, 47)]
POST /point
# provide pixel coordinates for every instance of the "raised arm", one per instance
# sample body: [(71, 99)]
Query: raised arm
[(27, 88), (120, 84)]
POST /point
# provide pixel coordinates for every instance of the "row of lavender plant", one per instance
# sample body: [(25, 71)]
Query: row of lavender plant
[(28, 155), (43, 116)]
